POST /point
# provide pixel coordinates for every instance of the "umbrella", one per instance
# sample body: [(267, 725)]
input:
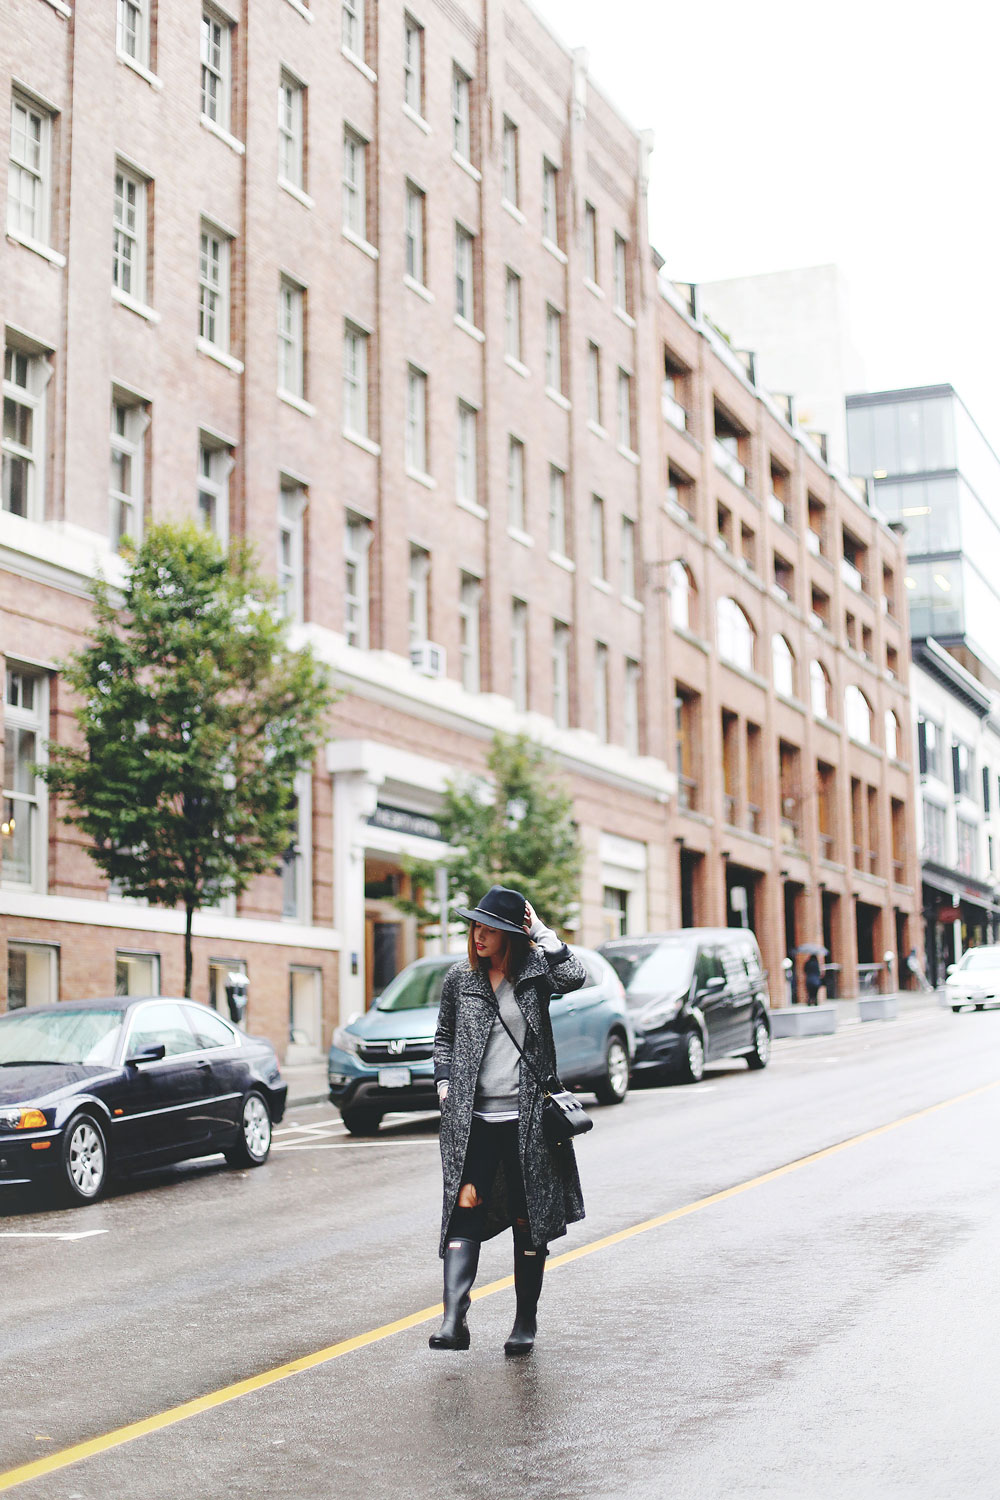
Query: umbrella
[(812, 948)]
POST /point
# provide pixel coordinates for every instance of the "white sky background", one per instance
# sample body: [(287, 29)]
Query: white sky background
[(792, 133)]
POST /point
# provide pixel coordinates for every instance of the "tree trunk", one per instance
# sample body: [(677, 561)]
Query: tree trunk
[(188, 916)]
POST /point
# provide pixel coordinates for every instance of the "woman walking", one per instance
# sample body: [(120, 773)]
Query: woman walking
[(499, 1171)]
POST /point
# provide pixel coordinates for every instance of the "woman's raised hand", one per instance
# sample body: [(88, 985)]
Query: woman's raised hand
[(529, 916)]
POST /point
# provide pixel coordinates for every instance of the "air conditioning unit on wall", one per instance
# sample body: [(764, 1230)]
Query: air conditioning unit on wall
[(428, 657)]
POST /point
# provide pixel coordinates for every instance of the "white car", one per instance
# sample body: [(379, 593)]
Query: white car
[(974, 980)]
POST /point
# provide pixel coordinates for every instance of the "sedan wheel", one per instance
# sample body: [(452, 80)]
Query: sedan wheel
[(84, 1160), (761, 1054), (692, 1068), (254, 1143), (612, 1087)]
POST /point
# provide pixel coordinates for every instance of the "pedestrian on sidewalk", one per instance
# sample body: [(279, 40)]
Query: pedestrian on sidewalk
[(499, 1170), (813, 975)]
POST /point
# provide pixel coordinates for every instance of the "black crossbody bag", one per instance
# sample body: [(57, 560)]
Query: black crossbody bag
[(563, 1116)]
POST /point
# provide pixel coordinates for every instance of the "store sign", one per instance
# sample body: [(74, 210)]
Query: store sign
[(948, 914), (400, 820)]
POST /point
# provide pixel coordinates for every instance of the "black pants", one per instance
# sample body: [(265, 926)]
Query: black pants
[(489, 1146)]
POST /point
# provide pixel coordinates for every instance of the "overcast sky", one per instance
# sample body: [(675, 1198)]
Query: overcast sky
[(792, 133)]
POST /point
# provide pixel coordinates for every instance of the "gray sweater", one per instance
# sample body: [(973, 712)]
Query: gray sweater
[(499, 1078)]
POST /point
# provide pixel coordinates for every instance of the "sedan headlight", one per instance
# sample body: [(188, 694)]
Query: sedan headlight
[(658, 1014), (347, 1041), (23, 1119)]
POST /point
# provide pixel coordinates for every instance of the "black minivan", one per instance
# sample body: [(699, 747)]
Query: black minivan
[(694, 995)]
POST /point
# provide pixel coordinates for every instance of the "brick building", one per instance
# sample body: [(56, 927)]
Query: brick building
[(372, 287)]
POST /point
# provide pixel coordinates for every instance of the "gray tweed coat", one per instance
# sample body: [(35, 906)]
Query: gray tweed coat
[(468, 1009)]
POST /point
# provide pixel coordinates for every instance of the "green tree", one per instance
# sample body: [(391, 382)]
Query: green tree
[(194, 716), (514, 828)]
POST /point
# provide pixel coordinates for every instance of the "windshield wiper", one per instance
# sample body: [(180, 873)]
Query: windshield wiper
[(35, 1062)]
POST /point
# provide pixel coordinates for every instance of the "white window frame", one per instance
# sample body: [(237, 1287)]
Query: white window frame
[(594, 384), (352, 28), (550, 201), (46, 956), (736, 637), (598, 550), (129, 239), (128, 443), (415, 430), (680, 592), (296, 870), (511, 165), (215, 465), (214, 279), (291, 130), (466, 454), (292, 501), (465, 274), (601, 693), (355, 386), (413, 64), (512, 316), (414, 232), (355, 183), (628, 558), (516, 514), (782, 666), (553, 348), (626, 414), (461, 113), (217, 67), (819, 690), (590, 266), (630, 702), (32, 396), (291, 338), (519, 654), (857, 714), (418, 594), (34, 804), (621, 297), (357, 543), (132, 31), (557, 510), (128, 959), (560, 674), (469, 605), (30, 165)]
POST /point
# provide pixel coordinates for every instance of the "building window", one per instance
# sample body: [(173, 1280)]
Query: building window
[(598, 560), (291, 338), (291, 548), (25, 376), (511, 165), (465, 302), (25, 729), (553, 349), (128, 270), (930, 740), (515, 483), (557, 511), (355, 191), (961, 769), (419, 594), (32, 974), (466, 482), (686, 710), (550, 202), (357, 540), (621, 274), (627, 560), (132, 35), (987, 779), (413, 65), (601, 691), (560, 674), (631, 707), (590, 243), (215, 464), (355, 380), (414, 232), (216, 68), (626, 417), (29, 179), (470, 597), (782, 667), (296, 863), (967, 839), (129, 421), (819, 690), (892, 735), (415, 436), (352, 27), (291, 130), (512, 316), (735, 635), (614, 912), (594, 384), (461, 115), (139, 974), (519, 654), (213, 287), (935, 831), (857, 715), (680, 592)]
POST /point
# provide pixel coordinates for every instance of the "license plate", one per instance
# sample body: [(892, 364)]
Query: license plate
[(393, 1078)]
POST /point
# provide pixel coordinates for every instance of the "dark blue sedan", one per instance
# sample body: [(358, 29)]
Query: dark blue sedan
[(93, 1086)]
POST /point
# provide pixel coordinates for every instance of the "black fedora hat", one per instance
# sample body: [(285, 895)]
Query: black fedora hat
[(499, 908)]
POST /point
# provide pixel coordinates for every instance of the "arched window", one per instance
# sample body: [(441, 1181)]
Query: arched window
[(734, 634), (681, 589), (858, 715), (891, 734), (819, 690), (783, 666)]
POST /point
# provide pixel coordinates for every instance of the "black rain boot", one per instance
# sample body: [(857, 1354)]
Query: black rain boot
[(461, 1262), (529, 1268)]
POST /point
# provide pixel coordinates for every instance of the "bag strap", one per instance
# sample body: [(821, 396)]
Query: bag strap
[(524, 1056)]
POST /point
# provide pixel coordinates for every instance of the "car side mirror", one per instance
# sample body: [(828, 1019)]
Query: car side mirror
[(714, 985), (147, 1054), (951, 968)]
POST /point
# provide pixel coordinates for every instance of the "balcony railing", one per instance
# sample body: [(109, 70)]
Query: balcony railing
[(790, 833), (673, 411), (728, 463), (851, 576), (776, 509), (755, 818), (818, 620), (826, 846), (814, 542), (687, 792)]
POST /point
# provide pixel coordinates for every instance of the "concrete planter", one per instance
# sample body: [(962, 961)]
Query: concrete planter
[(804, 1020), (878, 1007)]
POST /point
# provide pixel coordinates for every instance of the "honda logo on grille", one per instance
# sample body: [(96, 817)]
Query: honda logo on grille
[(396, 1047)]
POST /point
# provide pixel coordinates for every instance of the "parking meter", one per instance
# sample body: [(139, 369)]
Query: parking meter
[(237, 995)]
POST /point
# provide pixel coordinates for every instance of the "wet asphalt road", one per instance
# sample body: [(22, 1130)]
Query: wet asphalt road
[(831, 1331)]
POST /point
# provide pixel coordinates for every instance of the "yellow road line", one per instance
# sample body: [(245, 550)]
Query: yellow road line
[(121, 1435)]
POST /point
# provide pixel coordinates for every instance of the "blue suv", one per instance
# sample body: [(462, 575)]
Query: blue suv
[(383, 1061)]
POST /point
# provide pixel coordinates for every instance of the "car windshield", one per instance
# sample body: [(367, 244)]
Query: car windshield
[(72, 1036), (414, 988), (654, 968), (981, 958)]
